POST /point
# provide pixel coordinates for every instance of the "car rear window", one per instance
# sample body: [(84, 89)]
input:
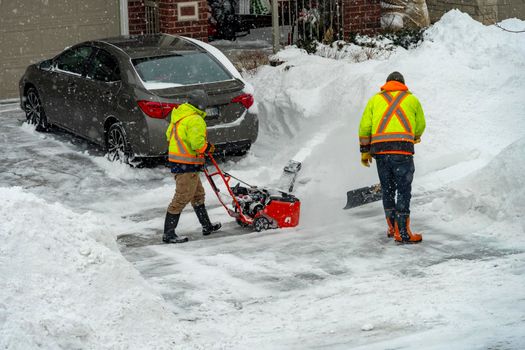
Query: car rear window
[(180, 69)]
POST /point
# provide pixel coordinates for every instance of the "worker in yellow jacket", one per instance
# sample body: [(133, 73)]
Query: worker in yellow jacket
[(393, 121), (187, 145)]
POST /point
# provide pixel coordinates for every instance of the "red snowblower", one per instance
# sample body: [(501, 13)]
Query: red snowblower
[(252, 206)]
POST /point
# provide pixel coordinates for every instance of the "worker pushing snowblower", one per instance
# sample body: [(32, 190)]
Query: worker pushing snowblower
[(251, 206)]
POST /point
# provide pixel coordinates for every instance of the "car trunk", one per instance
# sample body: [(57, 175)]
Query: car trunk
[(221, 110)]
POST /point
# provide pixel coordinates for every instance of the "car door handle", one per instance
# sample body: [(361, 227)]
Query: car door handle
[(108, 95)]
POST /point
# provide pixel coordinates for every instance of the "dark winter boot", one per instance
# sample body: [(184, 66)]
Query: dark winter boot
[(170, 223), (204, 219), (402, 230), (390, 215)]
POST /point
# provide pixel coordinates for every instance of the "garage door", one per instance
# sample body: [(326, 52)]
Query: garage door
[(32, 30)]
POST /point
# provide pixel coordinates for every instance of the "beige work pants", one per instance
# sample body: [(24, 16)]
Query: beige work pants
[(188, 189)]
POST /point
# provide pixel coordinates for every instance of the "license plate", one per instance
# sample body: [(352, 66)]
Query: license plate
[(212, 112)]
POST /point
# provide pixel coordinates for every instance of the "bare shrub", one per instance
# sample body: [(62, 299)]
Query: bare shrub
[(373, 53), (250, 60), (355, 53)]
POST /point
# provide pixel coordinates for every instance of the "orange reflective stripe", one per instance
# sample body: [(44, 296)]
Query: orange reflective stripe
[(182, 155), (401, 116), (399, 112), (395, 136), (203, 148), (392, 108), (180, 144), (364, 140), (177, 158), (392, 104), (395, 152), (386, 95)]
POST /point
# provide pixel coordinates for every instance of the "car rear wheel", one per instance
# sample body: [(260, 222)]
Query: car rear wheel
[(117, 145), (34, 110)]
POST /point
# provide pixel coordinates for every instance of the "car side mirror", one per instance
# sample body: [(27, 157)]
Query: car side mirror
[(46, 65)]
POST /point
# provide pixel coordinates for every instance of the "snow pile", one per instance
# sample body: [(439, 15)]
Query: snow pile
[(492, 196), (472, 96), (65, 285), (500, 186)]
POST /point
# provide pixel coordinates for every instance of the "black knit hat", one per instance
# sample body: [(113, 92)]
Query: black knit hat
[(198, 98), (396, 76)]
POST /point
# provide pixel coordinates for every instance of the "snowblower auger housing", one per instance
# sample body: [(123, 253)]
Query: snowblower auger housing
[(267, 208), (260, 208)]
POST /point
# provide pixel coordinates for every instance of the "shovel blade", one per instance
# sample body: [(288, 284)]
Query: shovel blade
[(292, 167), (289, 175), (363, 195)]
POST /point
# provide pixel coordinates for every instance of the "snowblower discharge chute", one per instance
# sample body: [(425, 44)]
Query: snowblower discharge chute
[(251, 206)]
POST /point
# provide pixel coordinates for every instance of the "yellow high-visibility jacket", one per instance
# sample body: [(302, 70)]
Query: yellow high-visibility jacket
[(392, 119), (187, 135)]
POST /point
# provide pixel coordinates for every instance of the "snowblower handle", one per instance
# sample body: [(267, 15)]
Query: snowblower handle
[(226, 179), (212, 184)]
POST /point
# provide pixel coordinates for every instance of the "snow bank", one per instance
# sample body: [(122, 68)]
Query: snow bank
[(492, 196), (65, 285), (468, 77), (500, 186)]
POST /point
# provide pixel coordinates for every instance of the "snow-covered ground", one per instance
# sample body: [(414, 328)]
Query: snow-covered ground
[(335, 281)]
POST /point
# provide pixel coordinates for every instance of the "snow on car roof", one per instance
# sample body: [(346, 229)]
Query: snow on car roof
[(152, 45)]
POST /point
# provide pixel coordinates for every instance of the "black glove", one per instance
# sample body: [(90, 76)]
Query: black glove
[(210, 148)]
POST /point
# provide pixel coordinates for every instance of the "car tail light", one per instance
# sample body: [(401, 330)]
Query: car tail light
[(245, 99), (158, 110)]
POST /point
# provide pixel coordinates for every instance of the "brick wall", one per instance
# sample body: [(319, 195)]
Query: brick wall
[(182, 17), (361, 16), (137, 17)]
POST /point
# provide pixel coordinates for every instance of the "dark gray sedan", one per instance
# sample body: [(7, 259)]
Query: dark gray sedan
[(119, 93)]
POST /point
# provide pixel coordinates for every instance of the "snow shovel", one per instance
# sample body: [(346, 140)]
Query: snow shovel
[(363, 195)]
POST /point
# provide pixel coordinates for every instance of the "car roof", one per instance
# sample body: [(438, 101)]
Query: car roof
[(138, 46)]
